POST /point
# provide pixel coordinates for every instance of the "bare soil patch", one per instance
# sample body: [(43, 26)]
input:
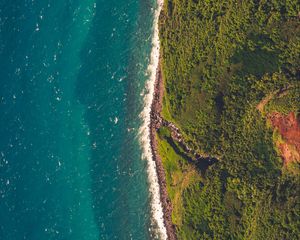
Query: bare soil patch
[(289, 129)]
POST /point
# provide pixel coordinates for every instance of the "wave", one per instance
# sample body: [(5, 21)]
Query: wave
[(154, 188)]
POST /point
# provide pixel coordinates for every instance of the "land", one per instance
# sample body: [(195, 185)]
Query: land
[(175, 137), (225, 119), (288, 128), (155, 124)]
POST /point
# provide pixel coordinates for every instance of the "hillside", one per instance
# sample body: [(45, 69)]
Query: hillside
[(231, 74)]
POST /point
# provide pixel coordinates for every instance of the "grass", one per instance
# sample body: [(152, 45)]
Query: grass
[(179, 174)]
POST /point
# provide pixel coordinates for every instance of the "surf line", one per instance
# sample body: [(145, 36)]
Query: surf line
[(145, 138)]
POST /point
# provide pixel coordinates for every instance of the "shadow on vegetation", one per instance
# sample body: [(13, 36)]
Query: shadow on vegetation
[(201, 163)]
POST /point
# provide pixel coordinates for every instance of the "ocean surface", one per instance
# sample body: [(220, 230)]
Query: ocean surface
[(72, 86)]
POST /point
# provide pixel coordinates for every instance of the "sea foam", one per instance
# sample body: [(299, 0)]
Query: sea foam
[(156, 205)]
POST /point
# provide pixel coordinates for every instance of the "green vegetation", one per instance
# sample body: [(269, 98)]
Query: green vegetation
[(220, 60), (179, 174), (285, 103)]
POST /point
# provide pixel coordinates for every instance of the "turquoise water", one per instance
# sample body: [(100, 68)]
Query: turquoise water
[(71, 77)]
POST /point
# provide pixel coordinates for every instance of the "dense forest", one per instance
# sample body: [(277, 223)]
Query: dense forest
[(231, 72)]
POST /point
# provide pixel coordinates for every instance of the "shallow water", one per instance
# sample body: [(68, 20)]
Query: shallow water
[(72, 74)]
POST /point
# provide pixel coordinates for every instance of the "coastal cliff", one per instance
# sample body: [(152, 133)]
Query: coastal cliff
[(155, 124)]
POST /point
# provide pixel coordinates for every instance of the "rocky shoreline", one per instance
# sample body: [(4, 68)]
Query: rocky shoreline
[(155, 124)]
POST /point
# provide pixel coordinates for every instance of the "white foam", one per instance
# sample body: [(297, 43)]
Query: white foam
[(156, 205)]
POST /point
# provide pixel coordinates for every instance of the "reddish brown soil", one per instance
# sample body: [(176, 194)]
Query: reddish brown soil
[(289, 128)]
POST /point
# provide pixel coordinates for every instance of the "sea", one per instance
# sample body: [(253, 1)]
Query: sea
[(76, 81)]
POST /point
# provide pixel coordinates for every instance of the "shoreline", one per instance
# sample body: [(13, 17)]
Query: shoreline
[(155, 124), (157, 186)]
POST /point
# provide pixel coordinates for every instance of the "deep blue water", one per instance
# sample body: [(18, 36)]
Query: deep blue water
[(71, 74)]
